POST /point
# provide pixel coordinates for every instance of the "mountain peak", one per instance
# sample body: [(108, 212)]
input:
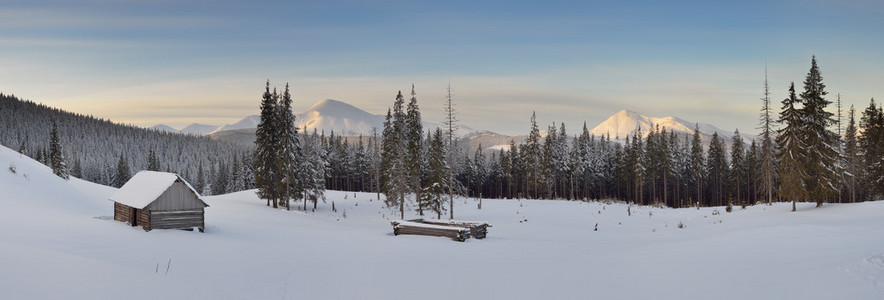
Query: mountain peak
[(623, 123)]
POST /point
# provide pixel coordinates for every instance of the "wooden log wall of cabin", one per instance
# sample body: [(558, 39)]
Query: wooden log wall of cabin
[(178, 196)]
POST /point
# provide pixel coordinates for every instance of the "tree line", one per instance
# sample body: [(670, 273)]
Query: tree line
[(797, 157)]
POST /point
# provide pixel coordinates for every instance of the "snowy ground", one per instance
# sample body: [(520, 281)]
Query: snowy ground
[(58, 240)]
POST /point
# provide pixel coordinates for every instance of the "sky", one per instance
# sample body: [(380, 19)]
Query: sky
[(185, 61)]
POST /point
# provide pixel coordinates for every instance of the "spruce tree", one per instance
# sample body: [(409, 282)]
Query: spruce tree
[(697, 164), (451, 123), (314, 165), (414, 152), (200, 179), (852, 159), (288, 154), (791, 150), (77, 171), (267, 141), (738, 170), (123, 174), (394, 166), (872, 145), (820, 160), (767, 165), (717, 169), (532, 156), (56, 157), (437, 179), (153, 164)]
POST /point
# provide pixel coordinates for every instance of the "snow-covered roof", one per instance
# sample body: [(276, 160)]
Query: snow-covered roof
[(147, 186)]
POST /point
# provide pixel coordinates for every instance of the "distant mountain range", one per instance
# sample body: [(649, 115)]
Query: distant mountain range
[(326, 115), (347, 120)]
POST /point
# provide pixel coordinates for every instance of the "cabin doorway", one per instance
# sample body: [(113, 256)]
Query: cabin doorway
[(134, 217)]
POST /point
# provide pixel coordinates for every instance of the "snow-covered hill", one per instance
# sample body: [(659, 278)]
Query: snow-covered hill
[(59, 241)]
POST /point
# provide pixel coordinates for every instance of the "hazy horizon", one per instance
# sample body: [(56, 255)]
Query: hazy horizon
[(178, 63)]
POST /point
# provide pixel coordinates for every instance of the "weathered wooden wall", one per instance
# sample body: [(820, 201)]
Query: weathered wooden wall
[(178, 219), (121, 212), (176, 197), (144, 219)]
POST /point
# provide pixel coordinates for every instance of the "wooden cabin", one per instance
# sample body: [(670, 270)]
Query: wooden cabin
[(158, 200)]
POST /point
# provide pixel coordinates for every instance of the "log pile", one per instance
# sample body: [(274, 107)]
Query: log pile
[(407, 227), (477, 229)]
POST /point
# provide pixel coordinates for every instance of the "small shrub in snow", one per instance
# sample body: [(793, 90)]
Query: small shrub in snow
[(12, 168), (715, 212)]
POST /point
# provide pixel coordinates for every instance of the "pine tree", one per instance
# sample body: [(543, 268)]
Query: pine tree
[(396, 184), (288, 156), (481, 171), (697, 164), (153, 164), (451, 123), (314, 165), (414, 152), (220, 179), (532, 156), (200, 179), (57, 163), (872, 145), (852, 159), (437, 179), (123, 174), (267, 141), (791, 150), (752, 173), (738, 171), (820, 160), (717, 168), (767, 166), (77, 171), (236, 175)]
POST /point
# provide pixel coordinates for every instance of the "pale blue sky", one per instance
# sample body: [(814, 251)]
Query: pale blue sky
[(177, 62)]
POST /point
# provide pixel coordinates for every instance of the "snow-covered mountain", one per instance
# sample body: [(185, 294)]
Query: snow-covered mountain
[(625, 122), (327, 115), (198, 129), (244, 123), (344, 119), (192, 129), (164, 128)]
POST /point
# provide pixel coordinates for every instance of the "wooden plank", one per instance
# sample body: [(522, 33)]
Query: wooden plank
[(479, 230), (404, 227)]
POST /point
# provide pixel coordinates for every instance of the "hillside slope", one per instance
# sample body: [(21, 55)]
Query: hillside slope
[(59, 241)]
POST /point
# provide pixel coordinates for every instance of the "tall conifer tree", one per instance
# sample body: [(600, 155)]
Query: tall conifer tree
[(820, 160), (791, 150)]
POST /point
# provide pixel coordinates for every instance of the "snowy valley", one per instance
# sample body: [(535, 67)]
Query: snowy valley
[(60, 241)]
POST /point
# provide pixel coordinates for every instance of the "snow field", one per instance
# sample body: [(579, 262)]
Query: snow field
[(58, 240)]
